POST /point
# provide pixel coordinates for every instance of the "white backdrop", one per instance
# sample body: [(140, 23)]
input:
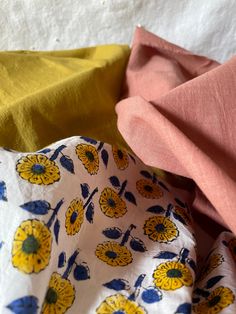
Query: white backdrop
[(203, 26)]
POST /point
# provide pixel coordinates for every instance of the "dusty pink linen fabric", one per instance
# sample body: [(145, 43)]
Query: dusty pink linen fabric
[(180, 115), (157, 66)]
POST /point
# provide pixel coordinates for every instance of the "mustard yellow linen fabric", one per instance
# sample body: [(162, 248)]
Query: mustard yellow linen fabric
[(48, 96)]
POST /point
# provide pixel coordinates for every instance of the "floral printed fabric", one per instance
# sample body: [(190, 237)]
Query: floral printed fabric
[(88, 228)]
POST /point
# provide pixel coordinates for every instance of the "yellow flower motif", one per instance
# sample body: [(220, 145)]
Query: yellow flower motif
[(148, 189), (219, 299), (59, 297), (74, 216), (214, 261), (232, 248), (38, 169), (121, 158), (111, 204), (31, 247), (160, 229), (119, 304), (172, 276), (113, 254), (184, 214), (88, 154)]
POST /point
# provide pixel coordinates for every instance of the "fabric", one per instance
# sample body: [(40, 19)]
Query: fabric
[(179, 116), (83, 23), (47, 96), (87, 228)]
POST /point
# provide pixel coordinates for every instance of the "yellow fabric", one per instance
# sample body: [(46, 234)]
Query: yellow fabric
[(48, 96)]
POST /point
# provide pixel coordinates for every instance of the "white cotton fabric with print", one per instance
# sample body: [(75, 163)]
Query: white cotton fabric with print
[(87, 228)]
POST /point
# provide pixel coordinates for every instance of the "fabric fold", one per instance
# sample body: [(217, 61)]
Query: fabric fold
[(47, 96), (189, 129), (157, 66)]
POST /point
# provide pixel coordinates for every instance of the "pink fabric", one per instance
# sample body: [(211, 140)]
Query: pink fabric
[(180, 116), (157, 66)]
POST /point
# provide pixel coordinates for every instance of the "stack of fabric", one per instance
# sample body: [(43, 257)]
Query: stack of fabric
[(117, 181)]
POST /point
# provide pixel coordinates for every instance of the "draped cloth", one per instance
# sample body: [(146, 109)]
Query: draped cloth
[(179, 115), (47, 96)]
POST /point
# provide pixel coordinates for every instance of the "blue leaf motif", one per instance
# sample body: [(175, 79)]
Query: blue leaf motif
[(202, 293), (146, 174), (62, 260), (105, 157), (156, 209), (130, 197), (132, 297), (57, 152), (193, 265), (3, 191), (139, 281), (179, 218), (185, 308), (151, 295), (81, 272), (56, 230), (100, 146), (180, 203), (72, 259), (126, 236), (165, 255), (115, 181), (25, 305), (163, 185), (213, 281), (84, 190), (45, 151), (137, 245), (183, 255), (90, 212), (88, 140), (117, 284), (112, 233), (67, 163), (37, 207)]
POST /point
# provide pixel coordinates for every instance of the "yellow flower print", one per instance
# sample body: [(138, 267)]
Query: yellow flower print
[(31, 247), (38, 169), (183, 213), (119, 304), (160, 229), (88, 154), (148, 189), (219, 299), (172, 276), (74, 216), (121, 158), (59, 297), (232, 248), (214, 261), (111, 204), (113, 254)]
